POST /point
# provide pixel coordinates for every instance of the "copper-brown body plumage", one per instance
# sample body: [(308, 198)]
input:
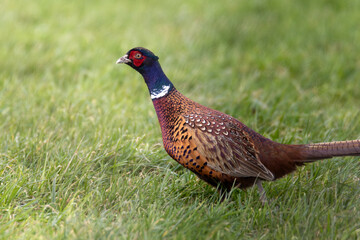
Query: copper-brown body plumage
[(222, 150)]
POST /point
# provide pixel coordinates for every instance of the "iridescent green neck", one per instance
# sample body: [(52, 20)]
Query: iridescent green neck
[(156, 80)]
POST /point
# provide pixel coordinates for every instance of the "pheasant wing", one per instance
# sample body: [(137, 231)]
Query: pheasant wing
[(227, 148)]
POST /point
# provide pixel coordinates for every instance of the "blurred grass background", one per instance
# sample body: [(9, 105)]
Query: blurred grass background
[(81, 155)]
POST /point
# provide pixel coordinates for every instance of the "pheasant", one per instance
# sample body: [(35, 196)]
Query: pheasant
[(218, 148)]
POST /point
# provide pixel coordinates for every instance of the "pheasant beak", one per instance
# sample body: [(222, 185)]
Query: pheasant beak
[(123, 59)]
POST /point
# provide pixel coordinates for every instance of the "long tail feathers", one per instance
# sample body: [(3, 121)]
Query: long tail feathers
[(282, 159), (318, 151)]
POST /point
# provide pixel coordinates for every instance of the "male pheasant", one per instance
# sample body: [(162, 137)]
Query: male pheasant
[(218, 148)]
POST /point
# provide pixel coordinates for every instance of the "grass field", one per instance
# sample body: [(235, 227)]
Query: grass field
[(81, 154)]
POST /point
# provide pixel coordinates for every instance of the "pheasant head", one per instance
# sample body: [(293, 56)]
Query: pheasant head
[(146, 63)]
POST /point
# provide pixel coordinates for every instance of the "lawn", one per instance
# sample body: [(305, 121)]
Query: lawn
[(81, 154)]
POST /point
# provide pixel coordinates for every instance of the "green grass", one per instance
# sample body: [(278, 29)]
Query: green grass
[(80, 147)]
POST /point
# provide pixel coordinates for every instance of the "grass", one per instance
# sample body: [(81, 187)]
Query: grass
[(80, 147)]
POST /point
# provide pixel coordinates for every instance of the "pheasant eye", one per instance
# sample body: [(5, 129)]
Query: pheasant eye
[(137, 55)]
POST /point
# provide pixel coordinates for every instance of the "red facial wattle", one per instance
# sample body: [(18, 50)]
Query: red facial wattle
[(136, 61)]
